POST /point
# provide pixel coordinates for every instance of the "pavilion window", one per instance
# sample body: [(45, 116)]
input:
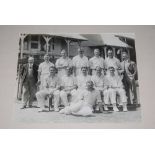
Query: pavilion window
[(52, 45), (34, 42), (34, 45)]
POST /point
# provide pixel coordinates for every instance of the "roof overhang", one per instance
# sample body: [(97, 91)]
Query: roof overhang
[(126, 35), (72, 37), (103, 40)]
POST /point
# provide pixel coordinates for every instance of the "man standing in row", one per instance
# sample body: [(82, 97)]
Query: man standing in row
[(29, 77), (96, 61), (43, 70), (129, 72), (79, 61), (112, 61), (62, 63)]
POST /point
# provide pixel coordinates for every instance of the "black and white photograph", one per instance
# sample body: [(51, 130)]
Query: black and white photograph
[(77, 78)]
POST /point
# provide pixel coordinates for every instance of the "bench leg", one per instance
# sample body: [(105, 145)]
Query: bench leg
[(49, 103)]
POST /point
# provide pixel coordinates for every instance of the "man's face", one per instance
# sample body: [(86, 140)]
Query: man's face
[(124, 56), (96, 52), (63, 53), (110, 53), (68, 71), (84, 70), (112, 71), (46, 58), (31, 61), (52, 71), (81, 52), (89, 85), (98, 70)]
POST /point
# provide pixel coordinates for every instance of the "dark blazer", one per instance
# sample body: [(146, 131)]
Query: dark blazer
[(24, 72)]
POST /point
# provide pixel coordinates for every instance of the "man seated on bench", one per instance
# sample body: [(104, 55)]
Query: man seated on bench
[(68, 87), (115, 87), (81, 80), (100, 83), (51, 87)]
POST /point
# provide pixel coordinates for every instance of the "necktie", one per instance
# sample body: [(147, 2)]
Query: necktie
[(30, 66), (30, 69), (124, 67)]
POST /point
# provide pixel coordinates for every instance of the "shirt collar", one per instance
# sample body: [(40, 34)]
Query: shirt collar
[(110, 58), (30, 65), (81, 57), (97, 57)]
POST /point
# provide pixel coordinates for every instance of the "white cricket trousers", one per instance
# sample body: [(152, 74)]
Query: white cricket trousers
[(111, 95), (64, 96), (42, 96)]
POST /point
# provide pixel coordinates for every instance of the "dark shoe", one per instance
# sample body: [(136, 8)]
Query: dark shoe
[(101, 109), (36, 106), (30, 106), (23, 107), (42, 110), (46, 106)]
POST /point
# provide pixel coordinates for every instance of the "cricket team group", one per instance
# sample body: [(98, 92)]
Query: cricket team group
[(80, 86)]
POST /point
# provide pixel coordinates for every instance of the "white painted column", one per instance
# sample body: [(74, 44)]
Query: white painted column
[(19, 89), (39, 44), (114, 51), (47, 39), (22, 37), (68, 46), (121, 54), (128, 53), (105, 52)]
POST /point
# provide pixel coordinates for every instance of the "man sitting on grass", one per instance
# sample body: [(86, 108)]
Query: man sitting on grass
[(84, 106)]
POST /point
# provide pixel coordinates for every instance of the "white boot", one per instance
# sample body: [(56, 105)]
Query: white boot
[(97, 108), (106, 108), (62, 111), (115, 108), (125, 107), (56, 109)]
